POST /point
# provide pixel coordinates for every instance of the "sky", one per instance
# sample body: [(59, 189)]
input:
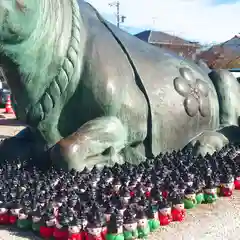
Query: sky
[(205, 21)]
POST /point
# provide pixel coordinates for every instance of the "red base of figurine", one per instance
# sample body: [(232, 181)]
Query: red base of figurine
[(147, 194), (132, 194), (60, 234), (226, 192), (164, 220), (104, 233), (83, 235), (4, 219), (91, 237), (237, 184), (178, 215), (46, 232), (12, 219), (165, 194), (75, 236)]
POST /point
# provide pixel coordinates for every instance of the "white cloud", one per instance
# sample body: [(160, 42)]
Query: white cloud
[(199, 20)]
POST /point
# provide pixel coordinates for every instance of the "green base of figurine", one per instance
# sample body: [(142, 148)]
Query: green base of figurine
[(153, 224), (143, 232), (130, 235), (114, 236), (210, 198), (200, 198), (24, 224), (36, 227), (188, 204)]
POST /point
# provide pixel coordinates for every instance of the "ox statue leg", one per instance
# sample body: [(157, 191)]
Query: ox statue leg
[(97, 142), (228, 91)]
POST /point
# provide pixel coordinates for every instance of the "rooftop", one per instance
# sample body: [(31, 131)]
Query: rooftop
[(158, 37)]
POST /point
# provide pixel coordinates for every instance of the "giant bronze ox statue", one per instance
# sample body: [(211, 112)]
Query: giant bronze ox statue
[(91, 93)]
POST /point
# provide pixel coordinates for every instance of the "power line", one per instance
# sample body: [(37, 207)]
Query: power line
[(120, 18)]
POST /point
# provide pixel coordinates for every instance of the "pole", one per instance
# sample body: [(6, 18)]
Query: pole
[(120, 18), (118, 13)]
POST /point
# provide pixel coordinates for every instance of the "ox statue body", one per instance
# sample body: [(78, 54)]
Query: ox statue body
[(91, 93)]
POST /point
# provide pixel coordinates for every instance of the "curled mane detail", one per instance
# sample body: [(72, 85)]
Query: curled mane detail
[(58, 86)]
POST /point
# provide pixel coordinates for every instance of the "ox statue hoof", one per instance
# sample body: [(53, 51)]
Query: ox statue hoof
[(209, 142)]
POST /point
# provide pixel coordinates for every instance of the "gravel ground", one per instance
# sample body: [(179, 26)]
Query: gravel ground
[(207, 222)]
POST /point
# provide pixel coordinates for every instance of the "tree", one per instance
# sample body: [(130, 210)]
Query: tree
[(235, 63), (219, 56)]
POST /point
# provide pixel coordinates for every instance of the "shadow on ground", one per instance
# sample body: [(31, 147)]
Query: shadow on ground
[(10, 122), (4, 136), (18, 234)]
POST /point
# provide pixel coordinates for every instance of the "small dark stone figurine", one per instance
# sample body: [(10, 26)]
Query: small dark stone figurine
[(4, 214), (130, 231), (210, 192), (226, 185), (94, 229), (165, 213), (15, 209), (178, 211), (24, 219), (36, 219), (61, 228), (74, 230), (153, 219), (115, 227), (190, 200), (48, 223)]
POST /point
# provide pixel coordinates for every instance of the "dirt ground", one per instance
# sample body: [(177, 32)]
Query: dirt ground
[(8, 125), (207, 222)]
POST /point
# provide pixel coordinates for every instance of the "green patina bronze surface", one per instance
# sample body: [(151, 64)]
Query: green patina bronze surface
[(94, 94)]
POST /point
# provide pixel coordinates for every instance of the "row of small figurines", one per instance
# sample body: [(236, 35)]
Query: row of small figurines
[(129, 229)]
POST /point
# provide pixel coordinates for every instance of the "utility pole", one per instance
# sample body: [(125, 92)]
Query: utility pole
[(154, 21), (120, 18)]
